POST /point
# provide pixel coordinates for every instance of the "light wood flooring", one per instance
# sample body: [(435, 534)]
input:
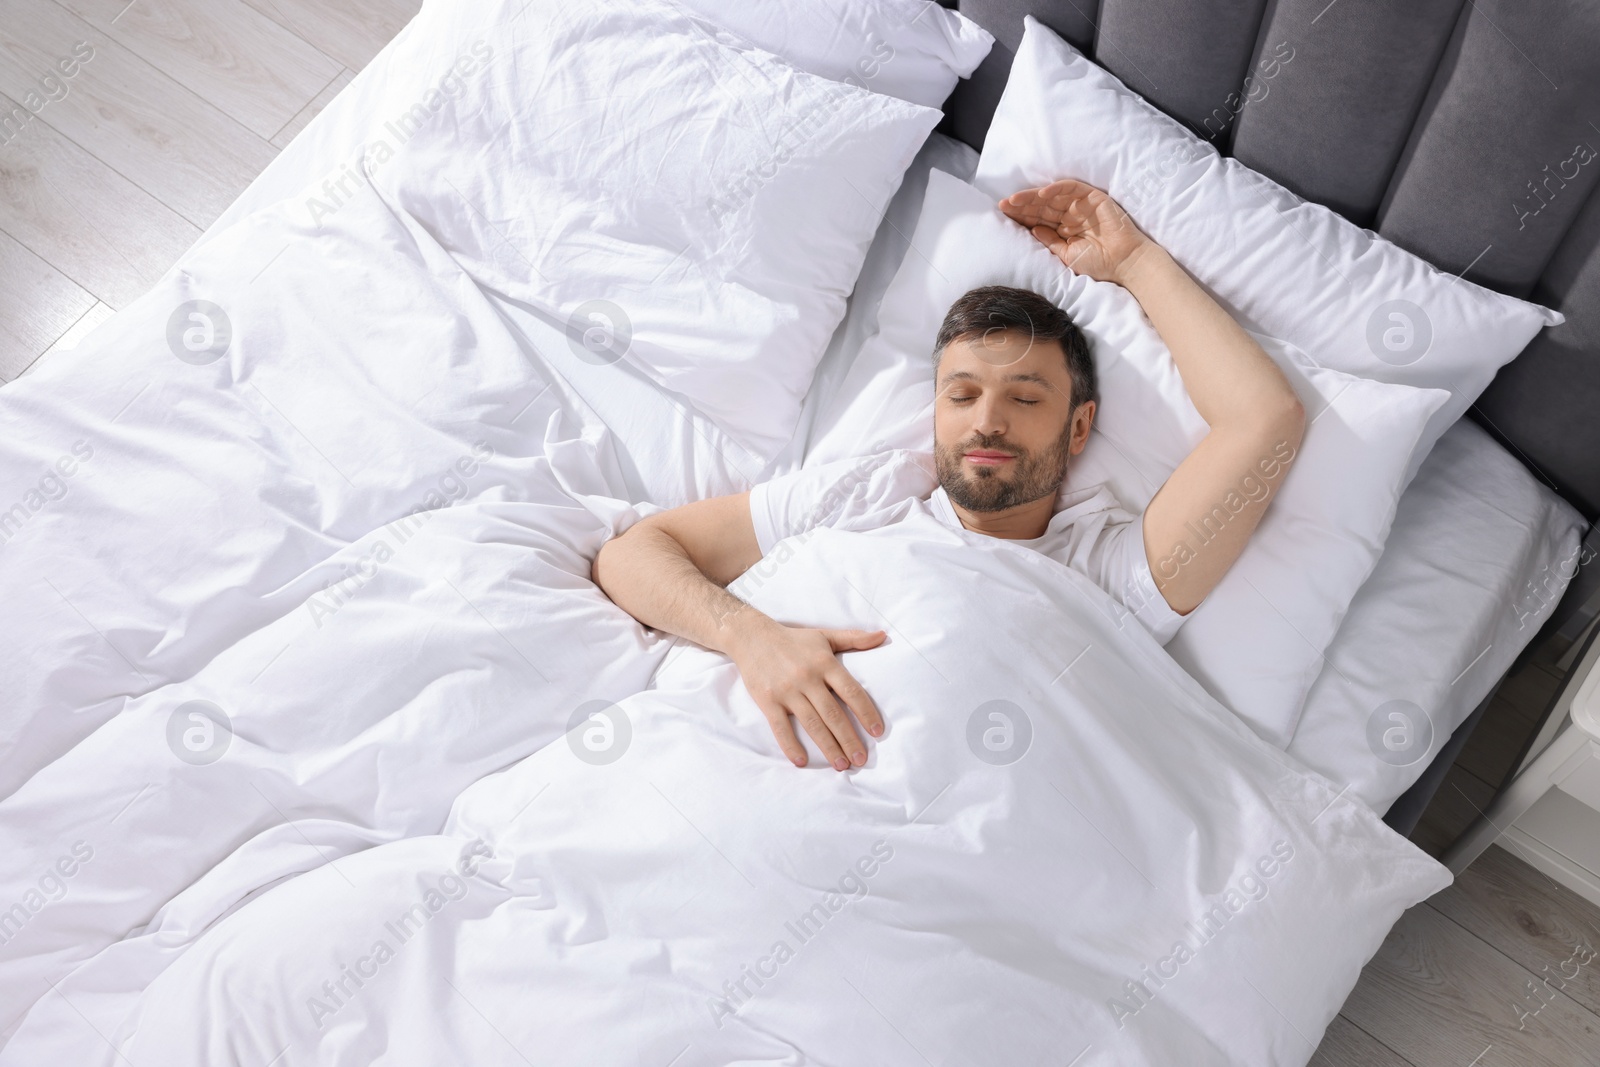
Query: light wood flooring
[(171, 107), (108, 175), (1486, 973)]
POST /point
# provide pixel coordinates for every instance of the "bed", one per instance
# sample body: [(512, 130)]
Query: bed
[(331, 682), (1512, 526)]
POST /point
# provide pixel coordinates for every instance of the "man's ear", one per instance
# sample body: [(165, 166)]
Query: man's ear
[(1082, 419)]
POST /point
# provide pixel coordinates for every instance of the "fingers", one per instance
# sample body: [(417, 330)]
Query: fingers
[(1065, 200), (1067, 189), (1022, 206), (823, 721), (847, 688), (1050, 204), (839, 722), (783, 730), (1029, 210), (856, 699), (815, 716), (801, 679), (853, 640), (1050, 239), (830, 730), (1069, 250)]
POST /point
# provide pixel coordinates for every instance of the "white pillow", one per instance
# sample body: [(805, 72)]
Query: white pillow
[(883, 261), (913, 49), (1286, 268), (1257, 641), (696, 209)]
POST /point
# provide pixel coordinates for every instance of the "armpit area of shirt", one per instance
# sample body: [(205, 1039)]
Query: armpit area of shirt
[(761, 517), (1153, 611)]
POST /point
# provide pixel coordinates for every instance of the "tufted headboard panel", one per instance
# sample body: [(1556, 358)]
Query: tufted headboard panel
[(1466, 131)]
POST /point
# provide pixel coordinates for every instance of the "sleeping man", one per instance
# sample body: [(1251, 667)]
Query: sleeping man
[(1015, 397)]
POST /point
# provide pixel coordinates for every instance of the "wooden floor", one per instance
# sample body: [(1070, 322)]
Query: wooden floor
[(1491, 972), (109, 174), (127, 128)]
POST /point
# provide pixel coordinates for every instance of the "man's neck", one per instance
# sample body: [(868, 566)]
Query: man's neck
[(1021, 523)]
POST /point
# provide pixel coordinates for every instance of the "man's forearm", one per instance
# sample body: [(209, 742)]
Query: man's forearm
[(648, 574), (668, 572), (1227, 375)]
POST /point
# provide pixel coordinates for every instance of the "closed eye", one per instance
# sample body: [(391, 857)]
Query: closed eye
[(1017, 399)]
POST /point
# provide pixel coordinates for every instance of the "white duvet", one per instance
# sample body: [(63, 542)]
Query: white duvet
[(367, 378), (460, 641), (302, 545), (1062, 850)]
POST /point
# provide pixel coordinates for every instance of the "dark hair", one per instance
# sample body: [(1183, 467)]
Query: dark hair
[(1000, 307)]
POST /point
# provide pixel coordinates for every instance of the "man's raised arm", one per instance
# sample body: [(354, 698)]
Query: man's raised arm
[(669, 572), (1256, 420)]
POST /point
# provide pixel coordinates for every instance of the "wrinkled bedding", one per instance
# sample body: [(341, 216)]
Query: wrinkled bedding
[(1058, 816), (299, 625), (209, 501), (321, 367), (301, 548)]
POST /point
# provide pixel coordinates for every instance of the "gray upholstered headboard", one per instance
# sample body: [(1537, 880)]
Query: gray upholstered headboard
[(1452, 127)]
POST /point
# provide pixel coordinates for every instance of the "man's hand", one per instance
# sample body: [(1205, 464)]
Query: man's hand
[(1256, 420), (669, 572), (1085, 228), (794, 671)]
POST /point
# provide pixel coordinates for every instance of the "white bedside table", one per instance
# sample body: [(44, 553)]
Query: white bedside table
[(1570, 762)]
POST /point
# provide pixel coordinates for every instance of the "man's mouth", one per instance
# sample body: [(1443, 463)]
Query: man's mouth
[(986, 457)]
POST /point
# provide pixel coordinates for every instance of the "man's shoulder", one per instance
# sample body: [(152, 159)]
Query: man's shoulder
[(1078, 503), (856, 493), (900, 472), (880, 476)]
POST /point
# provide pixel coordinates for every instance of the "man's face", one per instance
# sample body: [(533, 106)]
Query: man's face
[(1003, 424)]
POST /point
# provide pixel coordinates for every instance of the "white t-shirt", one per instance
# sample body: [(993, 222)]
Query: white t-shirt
[(1090, 532)]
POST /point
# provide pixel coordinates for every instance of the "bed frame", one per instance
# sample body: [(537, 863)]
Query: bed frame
[(1464, 131)]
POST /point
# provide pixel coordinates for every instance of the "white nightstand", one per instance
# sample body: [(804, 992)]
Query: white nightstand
[(1570, 763)]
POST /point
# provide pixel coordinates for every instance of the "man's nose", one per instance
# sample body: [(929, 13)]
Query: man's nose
[(987, 417)]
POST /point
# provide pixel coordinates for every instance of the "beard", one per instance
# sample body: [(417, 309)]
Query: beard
[(1035, 474)]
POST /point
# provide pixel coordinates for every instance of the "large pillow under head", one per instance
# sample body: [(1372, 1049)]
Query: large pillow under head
[(1348, 298), (1256, 642)]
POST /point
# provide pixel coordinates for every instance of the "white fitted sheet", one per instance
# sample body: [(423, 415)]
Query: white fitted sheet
[(1478, 557)]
